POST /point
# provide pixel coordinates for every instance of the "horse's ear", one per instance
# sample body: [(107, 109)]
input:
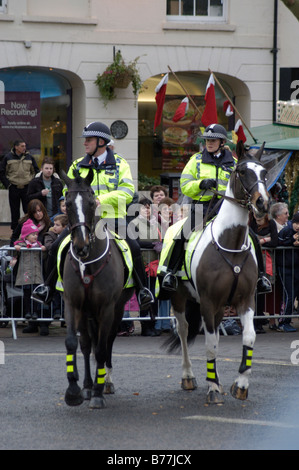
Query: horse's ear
[(89, 177), (65, 177), (259, 153), (240, 150)]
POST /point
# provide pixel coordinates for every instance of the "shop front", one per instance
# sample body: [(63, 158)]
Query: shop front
[(37, 108)]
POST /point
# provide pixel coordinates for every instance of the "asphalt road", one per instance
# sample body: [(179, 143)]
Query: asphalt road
[(149, 411)]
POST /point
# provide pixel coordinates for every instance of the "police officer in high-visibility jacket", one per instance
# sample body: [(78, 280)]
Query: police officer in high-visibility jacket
[(206, 170), (114, 189)]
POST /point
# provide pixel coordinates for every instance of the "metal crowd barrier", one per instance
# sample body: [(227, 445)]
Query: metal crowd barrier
[(12, 305)]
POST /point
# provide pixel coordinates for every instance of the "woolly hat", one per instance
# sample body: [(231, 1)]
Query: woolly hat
[(296, 218), (27, 228)]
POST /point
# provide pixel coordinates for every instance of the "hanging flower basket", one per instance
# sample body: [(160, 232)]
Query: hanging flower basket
[(118, 75), (123, 80)]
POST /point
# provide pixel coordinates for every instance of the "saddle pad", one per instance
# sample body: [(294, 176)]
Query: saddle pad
[(123, 248)]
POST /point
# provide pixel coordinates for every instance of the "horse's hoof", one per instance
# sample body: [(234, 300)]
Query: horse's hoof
[(109, 388), (74, 399), (189, 383), (97, 403), (214, 398), (239, 393), (86, 393)]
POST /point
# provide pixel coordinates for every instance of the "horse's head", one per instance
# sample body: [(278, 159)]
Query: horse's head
[(250, 180), (80, 208)]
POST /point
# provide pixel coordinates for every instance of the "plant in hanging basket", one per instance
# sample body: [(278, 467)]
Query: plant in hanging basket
[(118, 75)]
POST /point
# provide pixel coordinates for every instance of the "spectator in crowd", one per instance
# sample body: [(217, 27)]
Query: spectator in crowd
[(47, 187), (17, 169), (149, 238), (266, 231), (288, 270), (37, 212), (29, 268), (169, 212), (157, 193), (280, 214), (61, 209), (51, 237)]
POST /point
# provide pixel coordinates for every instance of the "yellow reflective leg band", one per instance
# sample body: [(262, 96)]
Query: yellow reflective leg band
[(70, 363), (101, 376), (249, 357), (211, 371)]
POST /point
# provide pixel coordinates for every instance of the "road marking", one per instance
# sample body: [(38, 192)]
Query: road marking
[(161, 356), (214, 419)]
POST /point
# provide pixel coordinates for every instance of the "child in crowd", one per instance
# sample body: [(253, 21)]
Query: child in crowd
[(62, 208), (60, 223), (29, 271)]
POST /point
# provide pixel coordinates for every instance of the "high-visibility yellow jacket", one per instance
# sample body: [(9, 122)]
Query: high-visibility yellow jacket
[(204, 166), (112, 183)]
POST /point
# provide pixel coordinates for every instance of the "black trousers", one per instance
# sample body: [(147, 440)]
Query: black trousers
[(16, 196)]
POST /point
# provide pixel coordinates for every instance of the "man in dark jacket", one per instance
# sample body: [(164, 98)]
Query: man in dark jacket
[(17, 169), (47, 187), (288, 270)]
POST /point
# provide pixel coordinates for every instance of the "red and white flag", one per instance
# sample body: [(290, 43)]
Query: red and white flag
[(160, 98), (181, 110), (209, 115), (227, 108), (239, 131)]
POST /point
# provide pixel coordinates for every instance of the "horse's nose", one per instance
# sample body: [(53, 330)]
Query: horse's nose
[(261, 204), (82, 252)]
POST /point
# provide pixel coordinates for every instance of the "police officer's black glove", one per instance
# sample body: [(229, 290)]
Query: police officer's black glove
[(207, 184)]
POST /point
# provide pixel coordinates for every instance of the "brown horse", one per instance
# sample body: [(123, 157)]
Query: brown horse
[(224, 272), (93, 280)]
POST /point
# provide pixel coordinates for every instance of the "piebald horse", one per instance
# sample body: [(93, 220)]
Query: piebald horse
[(224, 272), (94, 298)]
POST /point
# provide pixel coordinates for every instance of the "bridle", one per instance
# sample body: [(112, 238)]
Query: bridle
[(87, 279), (246, 201)]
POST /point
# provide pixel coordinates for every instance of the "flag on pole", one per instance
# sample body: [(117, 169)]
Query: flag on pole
[(160, 98), (209, 115), (227, 108), (239, 131), (181, 110)]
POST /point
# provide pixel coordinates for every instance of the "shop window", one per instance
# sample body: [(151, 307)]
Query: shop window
[(3, 6), (36, 108), (169, 147), (196, 10)]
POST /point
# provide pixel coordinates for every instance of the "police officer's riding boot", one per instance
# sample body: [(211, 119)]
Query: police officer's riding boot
[(170, 281), (144, 296), (263, 284)]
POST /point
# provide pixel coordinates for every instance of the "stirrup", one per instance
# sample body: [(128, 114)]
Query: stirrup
[(42, 294), (263, 285), (170, 282), (145, 298)]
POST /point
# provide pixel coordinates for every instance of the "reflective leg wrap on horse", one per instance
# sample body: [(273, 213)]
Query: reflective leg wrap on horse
[(73, 394), (239, 388), (97, 399)]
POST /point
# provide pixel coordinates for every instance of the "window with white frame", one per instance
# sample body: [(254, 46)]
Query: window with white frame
[(3, 6), (196, 10)]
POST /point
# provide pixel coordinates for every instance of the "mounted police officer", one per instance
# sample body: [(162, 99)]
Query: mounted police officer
[(114, 189), (207, 170)]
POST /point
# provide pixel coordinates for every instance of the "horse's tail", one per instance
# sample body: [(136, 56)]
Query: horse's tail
[(193, 318)]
